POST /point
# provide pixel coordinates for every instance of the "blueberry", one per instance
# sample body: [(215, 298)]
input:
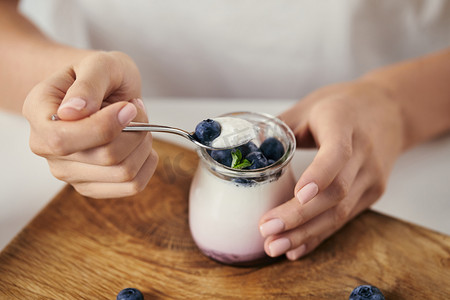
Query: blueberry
[(366, 292), (207, 130), (257, 159), (243, 181), (222, 156), (270, 162), (130, 294), (247, 148), (272, 148)]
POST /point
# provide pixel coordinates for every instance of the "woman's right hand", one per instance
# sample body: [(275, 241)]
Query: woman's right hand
[(94, 100)]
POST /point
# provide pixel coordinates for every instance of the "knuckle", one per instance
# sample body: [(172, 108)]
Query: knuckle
[(377, 170), (57, 143), (58, 172), (300, 214), (103, 58), (82, 189), (155, 157), (107, 157), (136, 186), (346, 151), (314, 243), (104, 132), (110, 61), (341, 188), (341, 215), (30, 100), (36, 146), (379, 178), (59, 175), (125, 173), (365, 143), (306, 236), (379, 188), (85, 85)]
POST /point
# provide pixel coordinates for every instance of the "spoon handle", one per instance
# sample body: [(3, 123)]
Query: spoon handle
[(136, 126)]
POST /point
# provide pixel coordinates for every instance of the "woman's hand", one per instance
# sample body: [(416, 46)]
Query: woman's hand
[(358, 129), (94, 100)]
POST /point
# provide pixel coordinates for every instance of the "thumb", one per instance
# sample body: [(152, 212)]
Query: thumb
[(99, 129), (83, 98)]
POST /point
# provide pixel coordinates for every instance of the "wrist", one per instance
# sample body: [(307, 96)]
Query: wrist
[(420, 88), (388, 91)]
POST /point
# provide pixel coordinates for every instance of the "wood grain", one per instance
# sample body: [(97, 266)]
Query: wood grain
[(81, 248)]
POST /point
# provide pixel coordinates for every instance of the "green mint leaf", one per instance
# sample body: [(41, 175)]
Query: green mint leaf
[(237, 161), (244, 164), (236, 156)]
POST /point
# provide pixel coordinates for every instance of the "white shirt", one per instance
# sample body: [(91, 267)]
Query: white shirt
[(248, 48)]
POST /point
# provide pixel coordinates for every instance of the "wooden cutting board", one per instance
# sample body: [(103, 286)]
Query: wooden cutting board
[(81, 248)]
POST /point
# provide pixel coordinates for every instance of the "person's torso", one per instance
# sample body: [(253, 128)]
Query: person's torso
[(249, 48)]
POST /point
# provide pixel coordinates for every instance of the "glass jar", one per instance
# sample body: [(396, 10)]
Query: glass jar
[(225, 204)]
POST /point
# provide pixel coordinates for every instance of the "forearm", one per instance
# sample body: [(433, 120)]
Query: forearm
[(26, 56), (422, 89)]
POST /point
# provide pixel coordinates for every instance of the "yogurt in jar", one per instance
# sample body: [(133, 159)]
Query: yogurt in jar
[(225, 204), (224, 215), (234, 131)]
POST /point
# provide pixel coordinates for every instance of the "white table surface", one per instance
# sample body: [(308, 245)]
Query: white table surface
[(418, 190)]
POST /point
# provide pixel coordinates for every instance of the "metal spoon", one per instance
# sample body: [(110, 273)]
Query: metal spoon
[(136, 126)]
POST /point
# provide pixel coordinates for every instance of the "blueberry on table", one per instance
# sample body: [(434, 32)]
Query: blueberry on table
[(272, 148), (207, 130), (366, 292), (247, 148), (130, 294), (257, 159), (222, 156)]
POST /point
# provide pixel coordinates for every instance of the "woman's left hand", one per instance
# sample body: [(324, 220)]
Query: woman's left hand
[(358, 129)]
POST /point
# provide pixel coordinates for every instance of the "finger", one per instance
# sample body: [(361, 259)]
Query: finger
[(62, 138), (116, 151), (367, 198), (292, 213), (335, 151), (110, 154), (124, 171), (44, 99), (300, 126), (94, 79), (313, 232), (124, 189)]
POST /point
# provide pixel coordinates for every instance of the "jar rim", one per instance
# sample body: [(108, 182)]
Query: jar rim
[(290, 147)]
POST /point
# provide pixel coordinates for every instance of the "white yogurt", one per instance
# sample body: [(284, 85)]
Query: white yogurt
[(234, 132), (224, 215)]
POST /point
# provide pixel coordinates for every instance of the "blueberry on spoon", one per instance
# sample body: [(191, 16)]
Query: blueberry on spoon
[(207, 130)]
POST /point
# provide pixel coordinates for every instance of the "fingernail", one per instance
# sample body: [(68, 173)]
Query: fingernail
[(73, 103), (296, 253), (126, 114), (279, 247), (138, 102), (307, 192), (271, 227)]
